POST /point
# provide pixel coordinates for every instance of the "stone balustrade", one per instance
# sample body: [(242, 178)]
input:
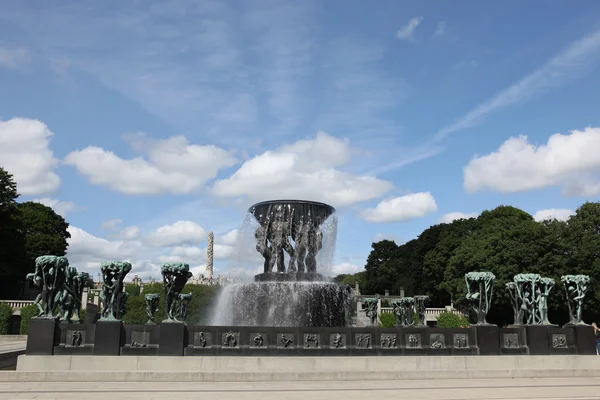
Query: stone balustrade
[(17, 305), (431, 314)]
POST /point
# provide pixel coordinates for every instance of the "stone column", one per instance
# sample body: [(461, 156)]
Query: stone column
[(210, 255)]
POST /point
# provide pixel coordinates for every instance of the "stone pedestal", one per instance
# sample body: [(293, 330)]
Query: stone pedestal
[(171, 339), (110, 336), (42, 337), (488, 340), (537, 340), (585, 339)]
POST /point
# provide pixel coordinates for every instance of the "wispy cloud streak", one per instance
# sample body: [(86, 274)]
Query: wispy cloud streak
[(576, 60)]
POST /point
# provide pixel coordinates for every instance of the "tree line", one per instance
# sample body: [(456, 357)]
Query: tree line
[(506, 241), (27, 230)]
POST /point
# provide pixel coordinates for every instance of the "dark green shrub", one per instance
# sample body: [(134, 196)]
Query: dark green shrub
[(27, 313), (82, 314), (451, 320), (199, 309), (135, 313), (6, 312), (387, 320)]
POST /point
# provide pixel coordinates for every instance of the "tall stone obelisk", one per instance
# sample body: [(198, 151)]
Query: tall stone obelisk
[(210, 255)]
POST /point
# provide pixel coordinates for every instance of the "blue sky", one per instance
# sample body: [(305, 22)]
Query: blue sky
[(148, 124)]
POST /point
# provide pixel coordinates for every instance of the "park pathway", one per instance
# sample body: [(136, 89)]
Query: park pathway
[(438, 389)]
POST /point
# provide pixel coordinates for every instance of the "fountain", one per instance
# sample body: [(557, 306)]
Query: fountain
[(296, 240)]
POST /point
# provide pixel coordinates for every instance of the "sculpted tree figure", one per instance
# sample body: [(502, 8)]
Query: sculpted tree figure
[(112, 296), (480, 286), (49, 275), (546, 285), (575, 289), (175, 276), (515, 299)]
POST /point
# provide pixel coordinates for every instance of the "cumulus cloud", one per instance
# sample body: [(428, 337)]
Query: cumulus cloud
[(448, 218), (305, 169), (60, 207), (127, 233), (406, 32), (172, 166), (345, 268), (88, 251), (25, 153), (569, 161), (561, 214), (178, 234), (170, 243), (404, 208)]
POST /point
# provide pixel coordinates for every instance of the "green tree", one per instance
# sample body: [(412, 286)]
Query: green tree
[(352, 279), (506, 241), (13, 257), (435, 260), (584, 240), (45, 231), (380, 272)]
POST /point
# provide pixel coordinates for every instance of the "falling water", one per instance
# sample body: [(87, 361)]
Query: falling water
[(285, 298)]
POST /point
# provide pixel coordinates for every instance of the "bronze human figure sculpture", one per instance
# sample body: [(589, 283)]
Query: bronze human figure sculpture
[(420, 306), (152, 300), (112, 296), (371, 309), (175, 276), (49, 276)]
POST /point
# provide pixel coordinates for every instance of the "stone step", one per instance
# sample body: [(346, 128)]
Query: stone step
[(315, 376)]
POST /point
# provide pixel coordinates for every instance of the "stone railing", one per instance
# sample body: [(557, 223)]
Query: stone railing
[(17, 305), (431, 314)]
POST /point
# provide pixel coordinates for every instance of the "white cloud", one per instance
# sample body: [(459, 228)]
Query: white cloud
[(407, 31), (561, 214), (305, 169), (576, 60), (172, 243), (178, 234), (229, 238), (448, 218), (111, 224), (404, 208), (13, 58), (127, 233), (59, 207), (170, 166), (570, 162), (440, 29), (387, 236), (345, 268), (25, 153), (88, 251)]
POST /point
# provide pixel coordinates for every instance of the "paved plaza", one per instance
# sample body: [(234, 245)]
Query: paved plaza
[(438, 389)]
